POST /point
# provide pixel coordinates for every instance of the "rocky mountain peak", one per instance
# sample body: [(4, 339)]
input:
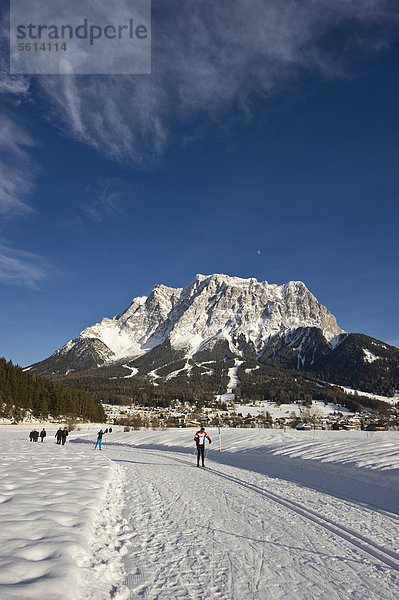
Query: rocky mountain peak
[(211, 309)]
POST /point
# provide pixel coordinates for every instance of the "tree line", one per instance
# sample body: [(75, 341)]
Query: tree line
[(285, 386), (111, 386), (21, 391)]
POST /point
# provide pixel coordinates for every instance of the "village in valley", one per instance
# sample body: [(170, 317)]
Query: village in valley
[(259, 414)]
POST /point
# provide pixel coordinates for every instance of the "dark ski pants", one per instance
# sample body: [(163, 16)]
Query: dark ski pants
[(200, 452)]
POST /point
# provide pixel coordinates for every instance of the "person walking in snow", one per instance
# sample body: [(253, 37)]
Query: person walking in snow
[(35, 435), (64, 435), (31, 436), (199, 439), (99, 439), (58, 435), (43, 434)]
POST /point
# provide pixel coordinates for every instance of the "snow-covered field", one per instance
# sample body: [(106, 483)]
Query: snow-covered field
[(279, 411), (393, 401), (276, 515)]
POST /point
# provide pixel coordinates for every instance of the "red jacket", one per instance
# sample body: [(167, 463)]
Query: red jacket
[(200, 436)]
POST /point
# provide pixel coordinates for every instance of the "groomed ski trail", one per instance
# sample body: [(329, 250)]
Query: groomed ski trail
[(169, 530)]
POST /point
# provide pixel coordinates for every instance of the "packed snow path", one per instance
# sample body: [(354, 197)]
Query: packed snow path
[(223, 533)]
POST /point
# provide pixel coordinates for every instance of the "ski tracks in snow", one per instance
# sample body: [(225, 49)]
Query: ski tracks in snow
[(102, 567), (167, 530)]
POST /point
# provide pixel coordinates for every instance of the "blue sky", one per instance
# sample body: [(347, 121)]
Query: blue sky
[(257, 155)]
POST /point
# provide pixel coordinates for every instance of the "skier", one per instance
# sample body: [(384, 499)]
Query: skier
[(58, 435), (199, 439), (64, 435), (43, 434), (99, 439)]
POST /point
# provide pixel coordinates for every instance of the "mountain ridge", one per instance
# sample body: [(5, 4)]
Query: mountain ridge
[(209, 310), (181, 342)]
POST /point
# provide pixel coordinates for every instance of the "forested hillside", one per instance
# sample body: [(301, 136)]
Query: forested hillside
[(21, 391), (256, 382)]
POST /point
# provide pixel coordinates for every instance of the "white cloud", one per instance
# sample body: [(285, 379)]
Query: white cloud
[(210, 57), (16, 169), (17, 172), (18, 267)]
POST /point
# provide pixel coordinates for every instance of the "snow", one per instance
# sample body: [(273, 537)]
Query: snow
[(48, 495), (279, 514), (252, 370), (334, 341), (114, 337), (210, 309), (318, 408), (133, 371), (233, 382), (393, 400), (229, 280), (154, 375), (187, 369), (369, 356)]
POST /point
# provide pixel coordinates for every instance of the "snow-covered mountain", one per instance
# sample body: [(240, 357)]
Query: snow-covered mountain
[(212, 317)]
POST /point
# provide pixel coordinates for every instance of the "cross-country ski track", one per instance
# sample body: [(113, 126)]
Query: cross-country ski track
[(275, 515), (228, 533)]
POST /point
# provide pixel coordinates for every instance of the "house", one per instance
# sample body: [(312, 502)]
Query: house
[(303, 427)]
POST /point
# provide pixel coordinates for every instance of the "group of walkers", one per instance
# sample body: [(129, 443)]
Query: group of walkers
[(34, 435), (61, 435)]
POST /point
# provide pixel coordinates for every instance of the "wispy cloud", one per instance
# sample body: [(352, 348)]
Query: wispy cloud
[(15, 85), (11, 86), (18, 267), (16, 169), (17, 173), (17, 180), (108, 195), (210, 57), (104, 200)]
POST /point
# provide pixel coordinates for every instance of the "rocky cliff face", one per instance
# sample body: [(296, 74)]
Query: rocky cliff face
[(213, 314)]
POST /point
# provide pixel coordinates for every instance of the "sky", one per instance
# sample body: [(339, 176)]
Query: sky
[(264, 144)]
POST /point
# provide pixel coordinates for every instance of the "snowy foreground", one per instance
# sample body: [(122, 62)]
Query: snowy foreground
[(277, 515)]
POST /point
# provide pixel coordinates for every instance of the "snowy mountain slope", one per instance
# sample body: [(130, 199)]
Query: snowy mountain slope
[(360, 357), (213, 315)]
